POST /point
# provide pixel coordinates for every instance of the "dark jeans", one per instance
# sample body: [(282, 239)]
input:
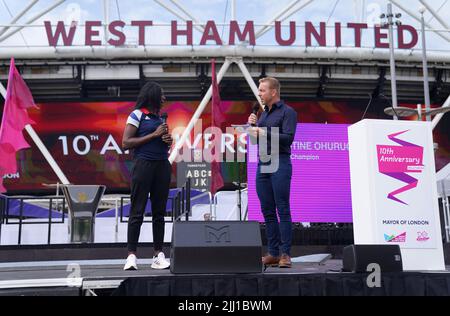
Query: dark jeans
[(148, 177), (273, 192)]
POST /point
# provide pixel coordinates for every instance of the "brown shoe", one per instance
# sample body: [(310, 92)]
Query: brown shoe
[(285, 261), (270, 261)]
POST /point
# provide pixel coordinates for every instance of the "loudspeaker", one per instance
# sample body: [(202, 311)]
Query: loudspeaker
[(216, 247), (358, 257)]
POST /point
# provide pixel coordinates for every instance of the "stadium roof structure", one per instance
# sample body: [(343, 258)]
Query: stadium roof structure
[(99, 49)]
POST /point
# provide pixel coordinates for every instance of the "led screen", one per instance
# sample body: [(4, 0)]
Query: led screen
[(320, 185)]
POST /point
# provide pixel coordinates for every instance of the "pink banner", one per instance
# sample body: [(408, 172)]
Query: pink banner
[(399, 158)]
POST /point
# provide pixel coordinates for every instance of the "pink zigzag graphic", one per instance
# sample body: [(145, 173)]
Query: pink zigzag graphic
[(411, 184), (410, 181), (401, 142)]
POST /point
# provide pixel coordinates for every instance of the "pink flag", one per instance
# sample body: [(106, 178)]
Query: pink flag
[(15, 117), (217, 119)]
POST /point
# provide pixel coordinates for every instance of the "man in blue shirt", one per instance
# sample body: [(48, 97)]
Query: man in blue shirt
[(273, 187)]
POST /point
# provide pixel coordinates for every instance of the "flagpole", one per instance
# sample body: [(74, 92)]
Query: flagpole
[(216, 121), (198, 112), (41, 146)]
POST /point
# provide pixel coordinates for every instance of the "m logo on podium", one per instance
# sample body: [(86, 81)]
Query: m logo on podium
[(220, 234), (206, 247)]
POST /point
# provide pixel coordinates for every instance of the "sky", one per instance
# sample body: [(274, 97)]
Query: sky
[(259, 11)]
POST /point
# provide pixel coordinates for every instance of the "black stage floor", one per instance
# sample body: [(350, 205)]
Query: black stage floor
[(106, 277)]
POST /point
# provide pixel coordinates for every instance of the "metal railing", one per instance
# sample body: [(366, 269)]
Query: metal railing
[(239, 210), (181, 205), (9, 219), (181, 209), (123, 219)]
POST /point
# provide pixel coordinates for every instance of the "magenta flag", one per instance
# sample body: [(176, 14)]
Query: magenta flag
[(217, 119), (15, 117)]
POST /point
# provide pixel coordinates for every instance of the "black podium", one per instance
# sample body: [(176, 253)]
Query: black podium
[(83, 201)]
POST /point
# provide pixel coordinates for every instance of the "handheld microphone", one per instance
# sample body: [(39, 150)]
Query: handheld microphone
[(164, 117), (255, 110)]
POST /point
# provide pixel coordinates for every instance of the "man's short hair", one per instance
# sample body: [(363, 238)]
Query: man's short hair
[(273, 83)]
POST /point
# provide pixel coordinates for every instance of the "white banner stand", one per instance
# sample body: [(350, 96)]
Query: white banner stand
[(394, 193)]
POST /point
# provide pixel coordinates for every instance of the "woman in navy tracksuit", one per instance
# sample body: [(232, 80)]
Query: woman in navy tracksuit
[(147, 134)]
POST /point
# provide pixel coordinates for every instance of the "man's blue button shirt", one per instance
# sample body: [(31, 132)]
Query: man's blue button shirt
[(285, 118)]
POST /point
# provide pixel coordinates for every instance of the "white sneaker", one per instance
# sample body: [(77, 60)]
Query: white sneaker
[(131, 263), (160, 262)]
